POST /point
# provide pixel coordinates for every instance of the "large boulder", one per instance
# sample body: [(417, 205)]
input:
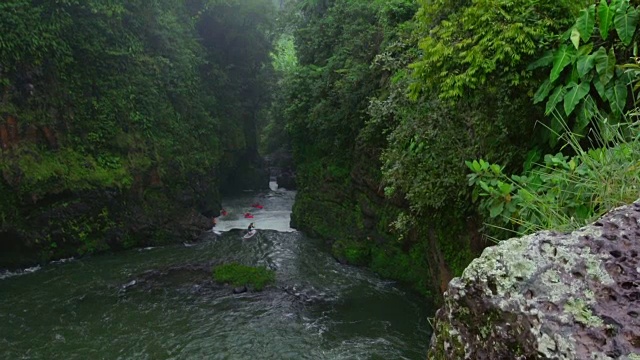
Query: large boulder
[(548, 296), (287, 180)]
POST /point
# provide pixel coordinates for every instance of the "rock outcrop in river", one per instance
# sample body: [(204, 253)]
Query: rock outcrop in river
[(549, 295)]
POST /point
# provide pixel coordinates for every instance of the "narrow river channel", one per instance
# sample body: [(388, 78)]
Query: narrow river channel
[(161, 303)]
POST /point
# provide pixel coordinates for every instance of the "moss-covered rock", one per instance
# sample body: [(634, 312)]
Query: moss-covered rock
[(548, 295), (241, 275), (59, 204)]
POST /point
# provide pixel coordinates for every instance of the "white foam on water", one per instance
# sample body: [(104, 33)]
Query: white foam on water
[(8, 274), (275, 214)]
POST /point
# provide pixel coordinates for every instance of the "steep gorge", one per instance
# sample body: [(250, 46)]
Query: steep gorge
[(384, 179), (120, 123)]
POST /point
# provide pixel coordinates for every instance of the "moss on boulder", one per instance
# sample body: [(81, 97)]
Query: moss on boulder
[(241, 275), (548, 295)]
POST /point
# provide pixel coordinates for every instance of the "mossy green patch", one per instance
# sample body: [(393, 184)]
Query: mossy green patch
[(352, 252), (41, 172), (582, 313), (447, 342), (241, 275), (454, 243)]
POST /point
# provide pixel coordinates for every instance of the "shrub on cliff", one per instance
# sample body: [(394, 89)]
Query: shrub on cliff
[(591, 99), (562, 192), (472, 88)]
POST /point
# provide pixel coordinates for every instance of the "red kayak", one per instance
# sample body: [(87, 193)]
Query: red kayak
[(248, 216)]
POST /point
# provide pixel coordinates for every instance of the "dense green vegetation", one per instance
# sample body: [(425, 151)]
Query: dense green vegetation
[(241, 275), (399, 96), (591, 96), (117, 116)]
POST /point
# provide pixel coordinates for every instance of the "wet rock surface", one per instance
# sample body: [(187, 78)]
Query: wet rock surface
[(197, 280), (287, 180), (282, 168), (549, 296), (307, 294), (194, 279)]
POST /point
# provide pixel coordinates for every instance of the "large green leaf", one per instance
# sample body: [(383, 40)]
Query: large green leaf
[(606, 18), (617, 96), (545, 60), (626, 74), (584, 115), (585, 49), (574, 95), (555, 98), (543, 91), (585, 64), (599, 87), (575, 38), (605, 64), (496, 208), (626, 20), (574, 77), (615, 4), (561, 58), (586, 22)]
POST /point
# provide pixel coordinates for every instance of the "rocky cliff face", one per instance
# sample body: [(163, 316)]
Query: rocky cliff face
[(344, 203), (58, 202), (549, 295), (282, 168)]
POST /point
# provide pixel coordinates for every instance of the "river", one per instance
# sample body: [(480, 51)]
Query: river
[(160, 303)]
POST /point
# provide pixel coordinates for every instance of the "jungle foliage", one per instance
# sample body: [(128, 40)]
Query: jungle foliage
[(126, 96), (396, 98), (381, 101), (592, 98), (472, 95), (596, 56)]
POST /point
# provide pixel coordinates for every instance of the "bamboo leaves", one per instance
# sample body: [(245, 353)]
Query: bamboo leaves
[(471, 45)]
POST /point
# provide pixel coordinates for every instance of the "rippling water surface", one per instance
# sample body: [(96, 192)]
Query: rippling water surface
[(160, 303)]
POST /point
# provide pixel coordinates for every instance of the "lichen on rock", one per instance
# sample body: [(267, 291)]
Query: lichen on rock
[(548, 295)]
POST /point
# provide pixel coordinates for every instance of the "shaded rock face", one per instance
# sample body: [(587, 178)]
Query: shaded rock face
[(282, 168), (287, 180), (548, 295), (249, 173)]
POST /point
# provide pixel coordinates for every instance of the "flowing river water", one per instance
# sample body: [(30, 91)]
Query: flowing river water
[(161, 303)]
